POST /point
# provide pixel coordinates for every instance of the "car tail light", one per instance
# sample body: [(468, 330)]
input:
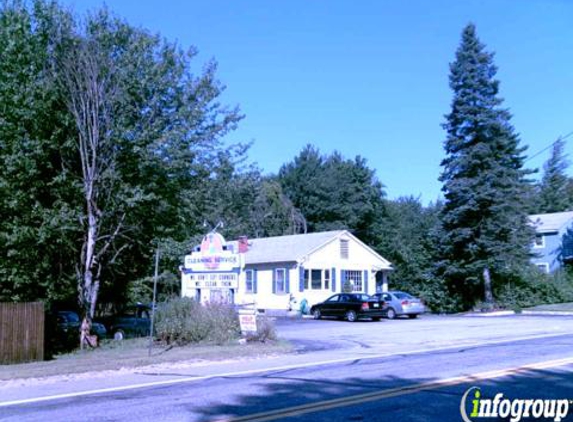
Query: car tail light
[(365, 306), (405, 302)]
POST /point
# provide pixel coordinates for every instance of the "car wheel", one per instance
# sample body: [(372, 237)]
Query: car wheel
[(351, 316), (413, 316), (316, 314), (119, 335), (391, 313)]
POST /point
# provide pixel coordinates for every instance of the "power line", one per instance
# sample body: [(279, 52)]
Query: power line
[(561, 138)]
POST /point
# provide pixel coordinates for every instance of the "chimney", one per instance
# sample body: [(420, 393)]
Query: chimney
[(243, 244)]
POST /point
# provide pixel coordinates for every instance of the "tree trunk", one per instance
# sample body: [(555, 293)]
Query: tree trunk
[(90, 287), (88, 99), (487, 287), (89, 262)]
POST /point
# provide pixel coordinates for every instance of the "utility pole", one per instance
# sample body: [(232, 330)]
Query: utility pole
[(153, 301)]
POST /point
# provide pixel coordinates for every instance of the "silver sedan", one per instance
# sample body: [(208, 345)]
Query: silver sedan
[(401, 303)]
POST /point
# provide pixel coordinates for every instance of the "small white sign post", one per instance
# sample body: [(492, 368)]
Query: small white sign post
[(248, 321)]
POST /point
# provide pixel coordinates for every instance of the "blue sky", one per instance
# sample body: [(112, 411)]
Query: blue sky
[(370, 78)]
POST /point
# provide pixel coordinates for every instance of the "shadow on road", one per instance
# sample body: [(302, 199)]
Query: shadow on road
[(283, 396)]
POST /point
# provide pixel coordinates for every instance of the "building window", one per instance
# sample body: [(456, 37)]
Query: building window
[(249, 281), (344, 249), (280, 281), (355, 280), (316, 280), (543, 267), (539, 241)]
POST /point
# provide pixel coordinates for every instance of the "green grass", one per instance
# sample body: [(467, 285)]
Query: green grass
[(557, 307), (132, 353)]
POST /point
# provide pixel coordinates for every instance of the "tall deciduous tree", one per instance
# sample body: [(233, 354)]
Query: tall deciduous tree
[(154, 122), (273, 214), (38, 212), (89, 90), (555, 193), (148, 135), (484, 218)]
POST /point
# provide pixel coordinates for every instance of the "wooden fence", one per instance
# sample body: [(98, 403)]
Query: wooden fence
[(21, 332)]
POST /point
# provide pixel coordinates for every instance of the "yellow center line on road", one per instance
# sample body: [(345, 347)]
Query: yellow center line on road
[(395, 392)]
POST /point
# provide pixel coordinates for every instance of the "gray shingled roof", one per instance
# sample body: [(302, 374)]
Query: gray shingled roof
[(287, 248), (553, 222)]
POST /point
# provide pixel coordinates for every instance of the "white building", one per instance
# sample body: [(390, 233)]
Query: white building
[(276, 274)]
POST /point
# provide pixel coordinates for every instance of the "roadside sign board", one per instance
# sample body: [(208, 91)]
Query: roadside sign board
[(248, 321)]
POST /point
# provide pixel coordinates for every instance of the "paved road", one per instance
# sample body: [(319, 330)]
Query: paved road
[(366, 381)]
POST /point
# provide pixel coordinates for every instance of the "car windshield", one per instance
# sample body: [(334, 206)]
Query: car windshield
[(402, 295), (129, 312), (70, 316), (363, 298)]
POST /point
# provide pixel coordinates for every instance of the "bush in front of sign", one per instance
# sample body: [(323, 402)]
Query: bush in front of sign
[(224, 322), (266, 330), (182, 321)]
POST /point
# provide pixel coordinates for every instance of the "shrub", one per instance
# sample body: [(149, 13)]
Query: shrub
[(515, 289), (224, 322), (265, 330), (437, 296), (563, 281), (182, 321), (531, 288)]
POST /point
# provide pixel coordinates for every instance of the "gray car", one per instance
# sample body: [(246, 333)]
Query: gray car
[(401, 303)]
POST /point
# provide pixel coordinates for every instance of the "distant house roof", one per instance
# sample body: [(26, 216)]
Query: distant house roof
[(553, 222), (293, 248)]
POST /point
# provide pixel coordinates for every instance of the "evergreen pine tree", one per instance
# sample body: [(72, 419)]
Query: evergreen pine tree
[(554, 190), (486, 232), (333, 192)]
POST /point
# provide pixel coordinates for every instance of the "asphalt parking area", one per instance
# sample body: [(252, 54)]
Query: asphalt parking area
[(426, 332)]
